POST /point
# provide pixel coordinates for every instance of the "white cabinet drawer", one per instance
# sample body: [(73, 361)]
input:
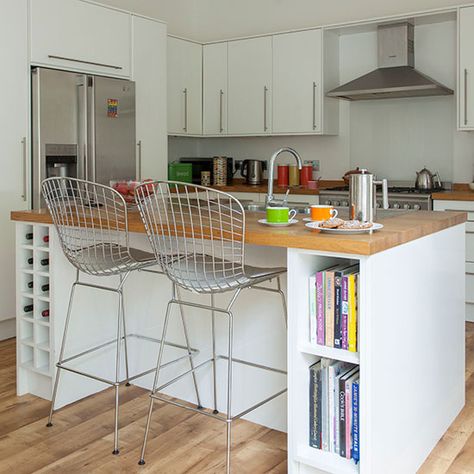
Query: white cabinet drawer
[(470, 288), (469, 247), (74, 35)]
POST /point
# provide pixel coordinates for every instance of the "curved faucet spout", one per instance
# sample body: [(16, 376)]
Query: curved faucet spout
[(271, 172)]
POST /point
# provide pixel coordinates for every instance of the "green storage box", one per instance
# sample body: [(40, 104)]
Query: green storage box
[(180, 172)]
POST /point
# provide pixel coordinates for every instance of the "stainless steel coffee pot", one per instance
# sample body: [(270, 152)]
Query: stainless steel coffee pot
[(362, 195)]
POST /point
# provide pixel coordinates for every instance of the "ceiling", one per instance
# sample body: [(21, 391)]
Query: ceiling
[(210, 20)]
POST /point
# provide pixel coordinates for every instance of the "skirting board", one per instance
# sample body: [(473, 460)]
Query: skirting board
[(7, 329)]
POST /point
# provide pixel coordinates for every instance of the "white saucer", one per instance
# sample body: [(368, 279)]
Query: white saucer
[(315, 225), (278, 224)]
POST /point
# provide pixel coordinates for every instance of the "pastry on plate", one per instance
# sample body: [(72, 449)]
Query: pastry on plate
[(355, 225), (333, 223)]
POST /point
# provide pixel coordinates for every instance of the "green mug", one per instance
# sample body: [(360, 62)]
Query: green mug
[(280, 215)]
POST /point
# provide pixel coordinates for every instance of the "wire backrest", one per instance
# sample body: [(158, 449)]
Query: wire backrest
[(197, 233), (92, 224)]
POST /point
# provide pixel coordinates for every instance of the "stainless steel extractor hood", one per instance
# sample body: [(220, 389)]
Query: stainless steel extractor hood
[(396, 75)]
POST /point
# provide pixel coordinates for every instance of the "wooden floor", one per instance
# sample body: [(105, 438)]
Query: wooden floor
[(180, 441)]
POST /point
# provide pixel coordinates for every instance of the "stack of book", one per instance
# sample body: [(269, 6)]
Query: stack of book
[(333, 307), (334, 408)]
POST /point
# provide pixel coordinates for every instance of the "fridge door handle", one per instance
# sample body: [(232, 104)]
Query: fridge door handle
[(91, 128), (139, 145)]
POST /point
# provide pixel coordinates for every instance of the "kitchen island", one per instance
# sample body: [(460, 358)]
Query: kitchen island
[(410, 331)]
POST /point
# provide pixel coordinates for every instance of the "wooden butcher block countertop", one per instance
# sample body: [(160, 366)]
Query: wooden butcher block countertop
[(399, 228)]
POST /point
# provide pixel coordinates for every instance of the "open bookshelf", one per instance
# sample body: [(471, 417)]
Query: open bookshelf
[(34, 334)]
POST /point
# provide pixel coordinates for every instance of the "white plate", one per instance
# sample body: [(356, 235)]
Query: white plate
[(315, 225), (308, 219), (279, 224)]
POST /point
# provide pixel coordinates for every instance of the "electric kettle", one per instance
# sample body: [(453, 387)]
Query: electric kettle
[(252, 171)]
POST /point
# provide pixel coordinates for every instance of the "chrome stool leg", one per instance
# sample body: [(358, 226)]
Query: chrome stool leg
[(117, 368), (214, 361), (61, 353), (127, 373), (229, 393), (177, 292), (155, 382), (283, 299)]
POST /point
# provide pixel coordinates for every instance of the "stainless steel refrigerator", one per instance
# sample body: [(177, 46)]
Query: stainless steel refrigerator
[(83, 126)]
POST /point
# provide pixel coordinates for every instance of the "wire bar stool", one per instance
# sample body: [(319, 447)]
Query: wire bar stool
[(92, 224), (197, 235)]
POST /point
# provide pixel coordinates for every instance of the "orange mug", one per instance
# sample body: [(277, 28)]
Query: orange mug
[(322, 212)]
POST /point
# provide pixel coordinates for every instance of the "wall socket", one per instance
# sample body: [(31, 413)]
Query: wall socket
[(315, 163)]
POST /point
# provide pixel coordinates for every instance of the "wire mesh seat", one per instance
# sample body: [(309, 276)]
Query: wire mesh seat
[(92, 225), (198, 237)]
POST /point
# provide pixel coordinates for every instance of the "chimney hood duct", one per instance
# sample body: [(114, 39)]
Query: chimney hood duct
[(396, 76)]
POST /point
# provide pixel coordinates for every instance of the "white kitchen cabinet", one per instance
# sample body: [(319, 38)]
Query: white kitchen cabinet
[(14, 139), (300, 83), (466, 206), (149, 74), (215, 89), (184, 87), (250, 86), (76, 35), (466, 69)]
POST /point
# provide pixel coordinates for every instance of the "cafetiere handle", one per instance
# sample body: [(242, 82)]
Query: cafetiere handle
[(384, 184), (245, 164)]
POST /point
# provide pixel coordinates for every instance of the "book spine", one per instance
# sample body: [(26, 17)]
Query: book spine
[(319, 411), (324, 410), (313, 402), (320, 339), (348, 405), (342, 417), (345, 312), (329, 312), (332, 408), (352, 314), (355, 422), (337, 309), (312, 309)]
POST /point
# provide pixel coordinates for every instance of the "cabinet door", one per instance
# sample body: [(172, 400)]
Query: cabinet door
[(74, 35), (466, 68), (215, 89), (13, 139), (184, 87), (297, 82), (149, 74), (250, 86)]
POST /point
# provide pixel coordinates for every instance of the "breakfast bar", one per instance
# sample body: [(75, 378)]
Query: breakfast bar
[(410, 330)]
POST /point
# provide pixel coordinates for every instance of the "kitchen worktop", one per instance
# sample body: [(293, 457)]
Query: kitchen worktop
[(399, 228), (240, 186), (462, 195)]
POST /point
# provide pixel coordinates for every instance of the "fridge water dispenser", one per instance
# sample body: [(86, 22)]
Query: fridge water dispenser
[(61, 160)]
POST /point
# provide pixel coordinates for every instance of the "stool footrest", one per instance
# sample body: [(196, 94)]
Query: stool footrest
[(61, 365)]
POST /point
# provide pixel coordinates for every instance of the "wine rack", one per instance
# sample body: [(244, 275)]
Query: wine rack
[(34, 333)]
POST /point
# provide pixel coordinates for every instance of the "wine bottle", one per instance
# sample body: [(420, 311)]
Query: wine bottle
[(45, 287), (44, 262), (30, 261), (46, 239), (28, 308), (45, 313), (29, 236), (30, 284)]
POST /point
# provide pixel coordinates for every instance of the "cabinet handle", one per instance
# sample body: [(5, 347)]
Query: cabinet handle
[(265, 90), (314, 105), (25, 184), (185, 92), (139, 145), (221, 99), (63, 58), (465, 96)]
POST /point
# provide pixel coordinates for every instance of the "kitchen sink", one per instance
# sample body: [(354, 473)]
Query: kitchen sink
[(302, 208)]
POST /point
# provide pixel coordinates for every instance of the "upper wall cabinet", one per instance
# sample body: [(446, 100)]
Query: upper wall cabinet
[(299, 85), (215, 89), (75, 35), (149, 74), (184, 87), (466, 69), (250, 86)]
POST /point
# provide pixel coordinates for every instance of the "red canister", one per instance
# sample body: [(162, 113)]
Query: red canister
[(283, 175), (306, 174)]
